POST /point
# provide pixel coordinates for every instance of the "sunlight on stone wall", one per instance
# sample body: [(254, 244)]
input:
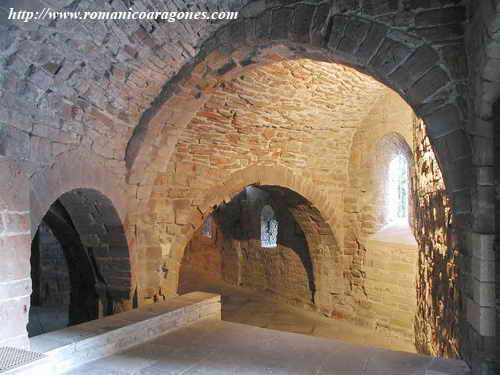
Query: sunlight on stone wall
[(436, 322)]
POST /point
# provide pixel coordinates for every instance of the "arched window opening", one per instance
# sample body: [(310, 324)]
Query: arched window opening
[(207, 228), (398, 188), (268, 228)]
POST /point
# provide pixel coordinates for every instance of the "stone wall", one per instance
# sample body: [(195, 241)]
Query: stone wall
[(385, 133)]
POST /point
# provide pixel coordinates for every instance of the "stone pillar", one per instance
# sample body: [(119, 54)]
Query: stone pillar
[(15, 250), (480, 289)]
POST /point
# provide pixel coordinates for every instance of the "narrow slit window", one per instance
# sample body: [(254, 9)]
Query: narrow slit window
[(207, 228), (398, 188), (268, 228)]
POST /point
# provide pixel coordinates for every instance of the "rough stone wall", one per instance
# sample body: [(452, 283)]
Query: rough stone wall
[(440, 24), (15, 283), (53, 284), (438, 295), (411, 47), (419, 80)]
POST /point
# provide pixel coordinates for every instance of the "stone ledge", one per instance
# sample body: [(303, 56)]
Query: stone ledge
[(79, 344), (391, 244), (396, 234)]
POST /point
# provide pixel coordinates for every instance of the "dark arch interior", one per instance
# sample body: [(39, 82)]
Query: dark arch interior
[(80, 263), (63, 275)]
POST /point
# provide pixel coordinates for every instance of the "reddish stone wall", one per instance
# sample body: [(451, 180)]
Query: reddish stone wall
[(71, 86), (390, 306), (256, 121)]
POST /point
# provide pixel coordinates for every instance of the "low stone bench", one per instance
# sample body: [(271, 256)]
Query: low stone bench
[(82, 343)]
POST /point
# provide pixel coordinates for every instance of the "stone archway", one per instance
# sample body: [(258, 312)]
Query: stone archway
[(404, 61), (327, 275), (103, 235), (96, 203), (312, 212), (280, 258)]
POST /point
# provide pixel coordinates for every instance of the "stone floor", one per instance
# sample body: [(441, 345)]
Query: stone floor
[(251, 339), (216, 347), (247, 307)]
